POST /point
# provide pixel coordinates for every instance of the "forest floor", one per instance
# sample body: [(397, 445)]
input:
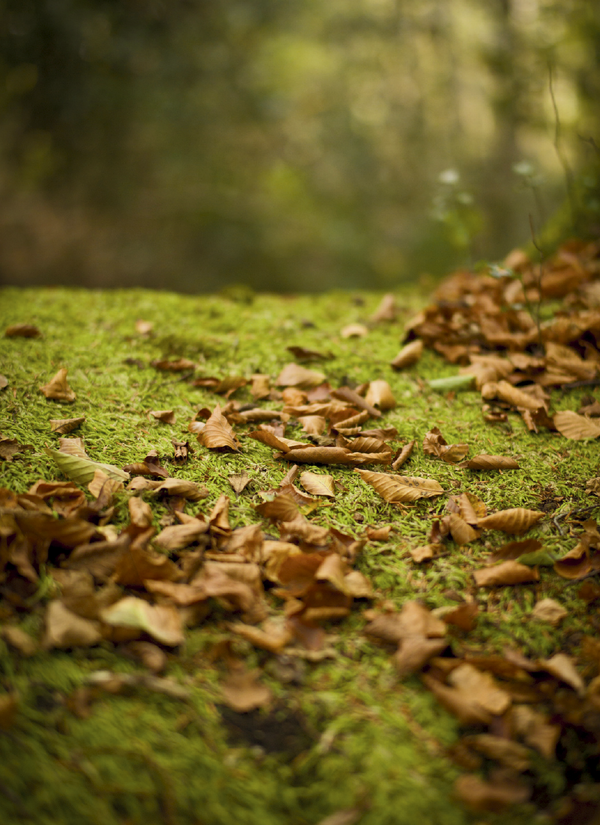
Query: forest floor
[(305, 692)]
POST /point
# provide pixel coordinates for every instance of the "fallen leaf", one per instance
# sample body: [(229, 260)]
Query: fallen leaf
[(481, 688), (66, 629), (495, 797), (239, 481), (507, 573), (387, 309), (576, 427), (424, 552), (313, 424), (3, 382), (464, 706), (317, 484), (397, 489), (181, 487), (243, 692), (549, 610), (62, 426), (435, 444), (180, 535), (260, 386), (403, 455), (22, 331), (490, 462), (140, 512), (408, 355), (217, 433), (143, 327), (162, 622), (102, 484), (562, 667), (294, 375), (9, 447), (514, 549), (379, 394), (81, 470), (461, 532), (303, 354), (150, 655), (19, 639), (516, 520), (354, 331), (58, 389), (166, 416), (173, 365)]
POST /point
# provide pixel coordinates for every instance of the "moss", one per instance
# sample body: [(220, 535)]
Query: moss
[(376, 743)]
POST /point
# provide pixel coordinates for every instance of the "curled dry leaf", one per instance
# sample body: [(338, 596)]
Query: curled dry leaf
[(403, 455), (387, 309), (102, 485), (182, 488), (490, 462), (561, 667), (260, 386), (516, 397), (174, 365), (239, 481), (166, 416), (465, 707), (313, 424), (480, 687), (58, 388), (408, 355), (514, 549), (294, 375), (140, 512), (576, 427), (180, 535), (217, 433), (354, 331), (435, 444), (461, 532), (162, 621), (21, 641), (317, 484), (515, 521), (400, 489), (62, 426), (380, 395), (507, 573)]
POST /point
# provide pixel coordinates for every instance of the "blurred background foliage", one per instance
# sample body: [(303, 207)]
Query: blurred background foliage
[(192, 144)]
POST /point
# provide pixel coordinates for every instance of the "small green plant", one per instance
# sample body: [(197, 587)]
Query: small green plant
[(454, 207)]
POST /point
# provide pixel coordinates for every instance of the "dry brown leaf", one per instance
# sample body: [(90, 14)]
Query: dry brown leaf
[(535, 729), (162, 621), (480, 795), (239, 481), (505, 751), (380, 395), (62, 426), (243, 692), (140, 512), (58, 388), (379, 533), (150, 655), (549, 610), (281, 508), (143, 327), (181, 488), (317, 484), (166, 416), (309, 454), (22, 331), (217, 433), (180, 535), (490, 462), (507, 573), (19, 639), (313, 424), (3, 382), (294, 375), (462, 533), (562, 667), (272, 635), (514, 549), (481, 688), (465, 707), (261, 386), (576, 427), (66, 629), (174, 365), (139, 565), (408, 355), (515, 521), (403, 455), (435, 444), (350, 396), (354, 331), (397, 489), (414, 652), (424, 552), (516, 397), (387, 309)]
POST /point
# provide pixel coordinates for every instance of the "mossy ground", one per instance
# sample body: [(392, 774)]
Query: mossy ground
[(358, 737)]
